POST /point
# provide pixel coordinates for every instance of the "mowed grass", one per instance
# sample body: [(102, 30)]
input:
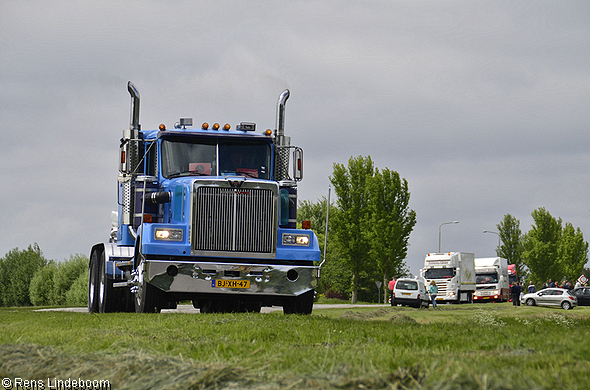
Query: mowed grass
[(480, 346)]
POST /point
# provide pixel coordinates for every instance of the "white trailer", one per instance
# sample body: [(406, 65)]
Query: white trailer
[(491, 280), (453, 273)]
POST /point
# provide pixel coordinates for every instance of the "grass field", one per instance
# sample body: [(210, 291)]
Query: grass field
[(480, 346)]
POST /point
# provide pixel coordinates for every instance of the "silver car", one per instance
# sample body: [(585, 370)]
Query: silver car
[(551, 297)]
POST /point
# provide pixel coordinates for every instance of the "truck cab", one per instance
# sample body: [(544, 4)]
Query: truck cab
[(453, 273), (206, 214), (491, 279)]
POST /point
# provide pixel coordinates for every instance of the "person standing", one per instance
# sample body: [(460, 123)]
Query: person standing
[(531, 288), (391, 286), (515, 291), (433, 291)]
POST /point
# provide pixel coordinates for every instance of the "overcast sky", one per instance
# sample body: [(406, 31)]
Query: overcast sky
[(482, 107)]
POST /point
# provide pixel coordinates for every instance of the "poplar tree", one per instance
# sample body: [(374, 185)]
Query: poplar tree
[(391, 222), (541, 244), (511, 239), (552, 250), (350, 223), (372, 223)]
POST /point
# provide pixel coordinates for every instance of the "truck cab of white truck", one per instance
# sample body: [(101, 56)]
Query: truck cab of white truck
[(453, 273), (491, 280)]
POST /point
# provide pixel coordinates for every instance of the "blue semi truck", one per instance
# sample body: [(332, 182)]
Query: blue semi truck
[(207, 215)]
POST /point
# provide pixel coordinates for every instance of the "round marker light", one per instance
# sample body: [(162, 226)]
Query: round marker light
[(216, 126), (205, 126), (268, 132), (226, 127), (162, 127)]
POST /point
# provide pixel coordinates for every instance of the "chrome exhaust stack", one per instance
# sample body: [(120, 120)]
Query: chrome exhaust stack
[(134, 106), (281, 113), (283, 143), (129, 158)]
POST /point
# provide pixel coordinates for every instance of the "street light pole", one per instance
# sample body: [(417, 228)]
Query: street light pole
[(498, 234), (444, 223)]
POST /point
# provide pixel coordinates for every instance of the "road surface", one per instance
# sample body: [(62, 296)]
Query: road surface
[(191, 309)]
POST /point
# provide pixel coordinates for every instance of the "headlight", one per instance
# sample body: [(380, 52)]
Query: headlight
[(168, 234), (296, 239)]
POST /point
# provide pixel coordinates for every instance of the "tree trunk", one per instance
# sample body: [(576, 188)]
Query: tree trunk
[(385, 289), (354, 287)]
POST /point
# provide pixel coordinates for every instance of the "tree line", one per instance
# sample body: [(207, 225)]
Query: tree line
[(550, 250), (369, 228), (27, 278), (370, 224)]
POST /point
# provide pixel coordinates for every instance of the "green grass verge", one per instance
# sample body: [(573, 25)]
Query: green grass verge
[(482, 346)]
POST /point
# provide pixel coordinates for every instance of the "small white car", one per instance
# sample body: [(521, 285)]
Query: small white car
[(551, 297), (410, 292)]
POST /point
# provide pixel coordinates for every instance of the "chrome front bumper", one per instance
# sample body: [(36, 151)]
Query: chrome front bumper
[(199, 277)]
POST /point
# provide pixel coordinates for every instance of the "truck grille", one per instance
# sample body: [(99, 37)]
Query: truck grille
[(234, 220)]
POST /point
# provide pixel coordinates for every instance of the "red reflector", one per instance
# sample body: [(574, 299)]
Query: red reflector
[(306, 224), (122, 157), (147, 218)]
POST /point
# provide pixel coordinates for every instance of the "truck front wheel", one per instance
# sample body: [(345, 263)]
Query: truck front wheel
[(303, 304), (147, 297)]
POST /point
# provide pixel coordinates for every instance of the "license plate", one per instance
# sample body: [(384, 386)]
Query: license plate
[(226, 283), (406, 293)]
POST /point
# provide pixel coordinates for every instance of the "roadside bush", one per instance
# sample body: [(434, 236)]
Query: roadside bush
[(16, 272), (77, 295), (66, 274), (335, 295), (41, 288)]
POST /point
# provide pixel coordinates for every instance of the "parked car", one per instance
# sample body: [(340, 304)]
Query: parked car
[(410, 292), (551, 297), (583, 295)]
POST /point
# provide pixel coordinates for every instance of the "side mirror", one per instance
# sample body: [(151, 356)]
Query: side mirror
[(298, 164)]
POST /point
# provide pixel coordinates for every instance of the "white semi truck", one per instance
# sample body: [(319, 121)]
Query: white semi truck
[(453, 273), (491, 280)]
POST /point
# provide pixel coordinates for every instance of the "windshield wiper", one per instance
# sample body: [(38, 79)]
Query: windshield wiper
[(185, 173)]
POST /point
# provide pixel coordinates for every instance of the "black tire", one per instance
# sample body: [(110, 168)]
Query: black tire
[(252, 306), (147, 298), (565, 305), (303, 304), (207, 307), (530, 302), (93, 283), (109, 299)]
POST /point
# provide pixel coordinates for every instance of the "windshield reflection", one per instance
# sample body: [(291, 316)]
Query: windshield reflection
[(215, 158)]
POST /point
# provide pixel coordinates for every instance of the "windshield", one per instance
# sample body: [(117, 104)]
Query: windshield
[(439, 273), (406, 285), (212, 157), (486, 278)]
